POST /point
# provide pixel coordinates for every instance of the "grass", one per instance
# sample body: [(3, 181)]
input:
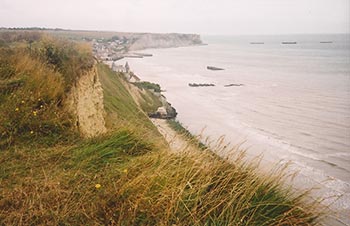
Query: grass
[(150, 102), (140, 186), (57, 185), (148, 85), (179, 128), (128, 176), (34, 79), (122, 111)]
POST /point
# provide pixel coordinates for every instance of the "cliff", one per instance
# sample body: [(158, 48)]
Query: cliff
[(148, 40), (85, 101)]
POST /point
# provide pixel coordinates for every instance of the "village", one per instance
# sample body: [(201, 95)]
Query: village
[(112, 50)]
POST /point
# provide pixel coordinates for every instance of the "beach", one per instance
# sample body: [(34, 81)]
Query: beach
[(293, 104)]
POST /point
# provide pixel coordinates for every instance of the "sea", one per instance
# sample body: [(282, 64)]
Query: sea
[(289, 103)]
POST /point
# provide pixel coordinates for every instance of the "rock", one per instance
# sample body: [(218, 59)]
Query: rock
[(214, 68), (200, 84), (85, 101), (171, 112), (164, 112), (234, 84)]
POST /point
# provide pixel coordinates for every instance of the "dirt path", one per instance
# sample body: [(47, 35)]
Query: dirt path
[(176, 142)]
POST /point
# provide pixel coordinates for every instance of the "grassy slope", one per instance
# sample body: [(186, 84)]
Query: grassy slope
[(122, 111), (150, 102), (129, 178), (119, 100)]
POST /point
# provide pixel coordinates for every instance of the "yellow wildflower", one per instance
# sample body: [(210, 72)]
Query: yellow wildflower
[(17, 109), (31, 132), (22, 101), (125, 171), (34, 113), (97, 186)]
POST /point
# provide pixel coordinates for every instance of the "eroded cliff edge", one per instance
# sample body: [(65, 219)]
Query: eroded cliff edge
[(85, 102)]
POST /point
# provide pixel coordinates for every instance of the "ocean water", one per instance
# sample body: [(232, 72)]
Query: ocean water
[(294, 104)]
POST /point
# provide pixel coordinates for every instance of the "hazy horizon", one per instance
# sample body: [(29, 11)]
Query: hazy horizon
[(222, 17), (141, 32)]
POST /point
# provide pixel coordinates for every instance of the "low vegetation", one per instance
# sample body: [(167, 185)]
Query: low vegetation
[(35, 75), (148, 85), (127, 177), (150, 102), (179, 128), (122, 111)]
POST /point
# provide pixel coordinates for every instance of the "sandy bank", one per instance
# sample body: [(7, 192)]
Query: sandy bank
[(85, 101)]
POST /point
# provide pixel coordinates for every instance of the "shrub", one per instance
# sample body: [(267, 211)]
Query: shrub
[(148, 85), (68, 58)]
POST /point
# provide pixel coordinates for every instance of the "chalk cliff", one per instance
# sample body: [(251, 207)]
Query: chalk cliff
[(86, 103), (148, 40)]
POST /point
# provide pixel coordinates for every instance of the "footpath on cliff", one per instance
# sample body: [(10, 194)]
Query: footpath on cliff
[(177, 143)]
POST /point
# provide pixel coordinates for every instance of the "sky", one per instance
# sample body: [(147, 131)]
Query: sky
[(224, 17)]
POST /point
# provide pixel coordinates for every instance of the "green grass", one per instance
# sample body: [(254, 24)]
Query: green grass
[(57, 185), (150, 102), (122, 111), (139, 187), (148, 85), (119, 100), (179, 128), (140, 181), (119, 103)]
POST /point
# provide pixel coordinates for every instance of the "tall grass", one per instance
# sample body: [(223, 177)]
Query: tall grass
[(122, 180), (36, 72), (31, 95), (181, 130), (200, 189)]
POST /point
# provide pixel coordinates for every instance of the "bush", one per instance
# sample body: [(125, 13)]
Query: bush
[(68, 58), (148, 85)]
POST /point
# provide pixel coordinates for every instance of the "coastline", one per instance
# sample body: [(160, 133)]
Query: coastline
[(127, 175), (332, 191)]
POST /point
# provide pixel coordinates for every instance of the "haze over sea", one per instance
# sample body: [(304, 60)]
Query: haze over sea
[(294, 104)]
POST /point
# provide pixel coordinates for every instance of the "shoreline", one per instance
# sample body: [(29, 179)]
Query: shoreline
[(335, 195), (128, 175), (178, 144)]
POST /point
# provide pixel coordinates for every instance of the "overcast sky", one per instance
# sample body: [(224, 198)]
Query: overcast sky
[(187, 16)]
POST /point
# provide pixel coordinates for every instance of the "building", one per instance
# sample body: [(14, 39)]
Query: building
[(118, 68)]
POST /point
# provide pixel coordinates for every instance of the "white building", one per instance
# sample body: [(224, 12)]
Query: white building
[(118, 68)]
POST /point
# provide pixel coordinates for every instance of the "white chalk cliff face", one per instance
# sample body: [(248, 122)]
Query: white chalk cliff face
[(85, 101), (164, 41)]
